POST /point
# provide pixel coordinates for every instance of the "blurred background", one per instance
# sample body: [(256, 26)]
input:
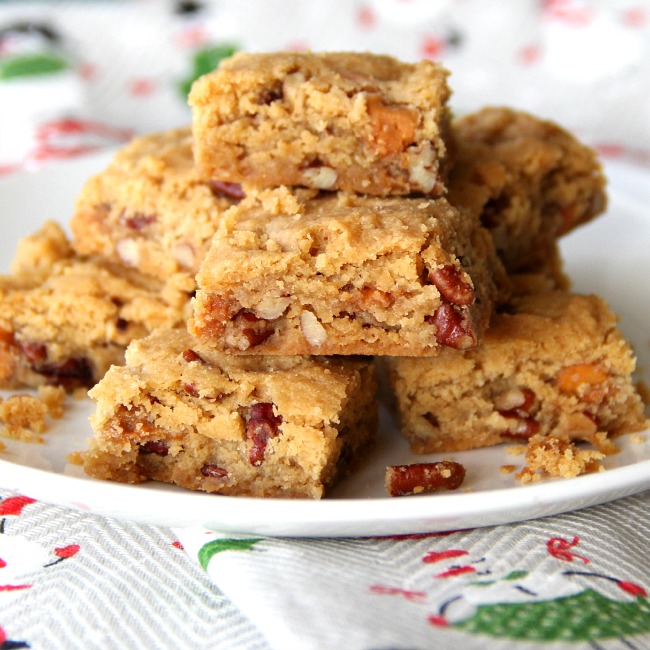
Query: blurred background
[(79, 75)]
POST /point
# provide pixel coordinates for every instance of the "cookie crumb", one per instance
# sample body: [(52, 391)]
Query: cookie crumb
[(80, 393), (54, 399), (3, 447), (507, 469), (637, 439), (516, 450), (75, 458), (23, 417), (560, 457)]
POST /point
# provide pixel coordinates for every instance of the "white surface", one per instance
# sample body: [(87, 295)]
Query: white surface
[(610, 257)]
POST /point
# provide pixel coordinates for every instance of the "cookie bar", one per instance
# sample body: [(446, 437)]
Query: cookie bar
[(530, 180), (556, 366), (69, 318), (181, 413), (151, 209), (357, 122), (301, 273)]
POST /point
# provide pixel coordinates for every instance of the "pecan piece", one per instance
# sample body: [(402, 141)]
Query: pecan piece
[(453, 327), (210, 470), (34, 352), (136, 221), (254, 329), (523, 428), (232, 191), (218, 311), (71, 373), (262, 425), (190, 356), (516, 402), (423, 477), (158, 447), (449, 281)]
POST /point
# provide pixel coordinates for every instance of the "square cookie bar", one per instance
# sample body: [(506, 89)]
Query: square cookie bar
[(151, 209), (181, 413), (299, 273), (530, 180), (555, 364), (64, 320), (358, 122)]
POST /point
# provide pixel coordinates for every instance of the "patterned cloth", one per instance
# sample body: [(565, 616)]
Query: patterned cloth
[(77, 76)]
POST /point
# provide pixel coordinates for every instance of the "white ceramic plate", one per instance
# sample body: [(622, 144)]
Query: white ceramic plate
[(610, 256)]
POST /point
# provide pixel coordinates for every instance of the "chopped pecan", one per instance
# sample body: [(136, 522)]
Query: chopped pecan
[(232, 191), (516, 402), (34, 352), (71, 373), (190, 356), (261, 426), (136, 221), (522, 428), (449, 281), (158, 447), (453, 327), (218, 311), (254, 329), (423, 477), (209, 470)]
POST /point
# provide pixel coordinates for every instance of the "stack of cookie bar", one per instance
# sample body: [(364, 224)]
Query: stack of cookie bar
[(324, 210)]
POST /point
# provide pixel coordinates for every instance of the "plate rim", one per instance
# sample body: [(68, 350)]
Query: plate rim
[(584, 490)]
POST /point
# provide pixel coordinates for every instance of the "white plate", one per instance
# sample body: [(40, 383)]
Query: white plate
[(610, 256)]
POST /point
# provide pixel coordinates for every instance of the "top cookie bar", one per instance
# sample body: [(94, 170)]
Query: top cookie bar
[(351, 121)]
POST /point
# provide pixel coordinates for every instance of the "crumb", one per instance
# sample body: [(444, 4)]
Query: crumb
[(515, 450), (560, 457), (75, 458), (637, 439), (507, 469), (23, 415), (528, 475), (2, 446), (603, 443), (54, 399)]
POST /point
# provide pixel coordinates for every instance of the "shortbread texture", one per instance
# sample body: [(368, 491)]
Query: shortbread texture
[(181, 413), (151, 209), (358, 122), (65, 319), (530, 180), (306, 273), (554, 365)]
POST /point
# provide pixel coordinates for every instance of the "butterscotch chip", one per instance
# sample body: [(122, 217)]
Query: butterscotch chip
[(555, 364), (182, 413), (349, 121)]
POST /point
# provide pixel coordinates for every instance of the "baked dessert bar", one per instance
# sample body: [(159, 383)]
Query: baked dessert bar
[(151, 209), (181, 413), (306, 273), (555, 364), (358, 122), (65, 319), (530, 180)]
